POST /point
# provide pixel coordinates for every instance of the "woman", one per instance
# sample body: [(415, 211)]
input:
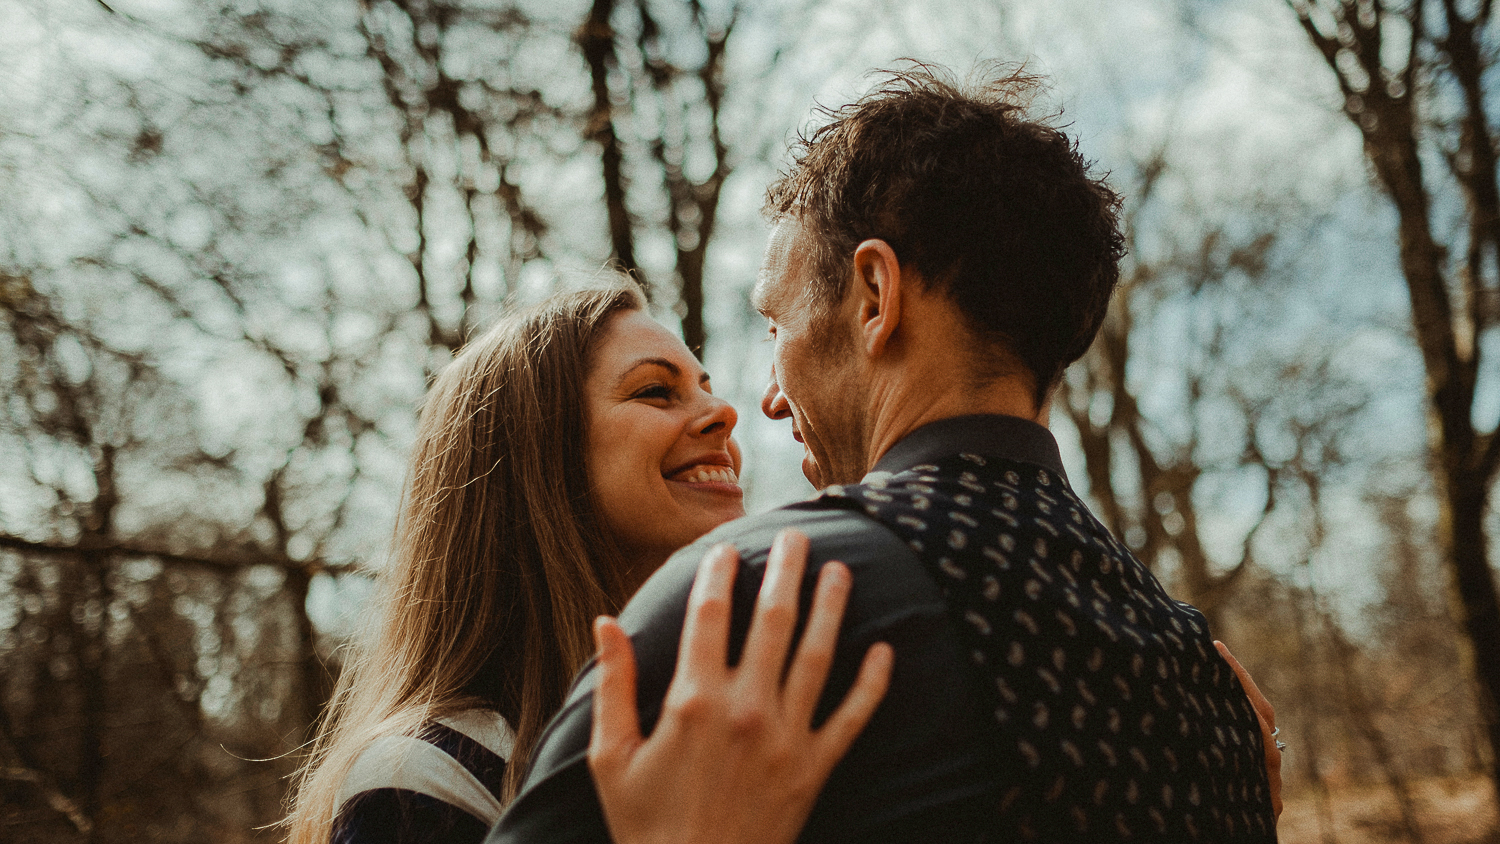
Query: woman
[(560, 458)]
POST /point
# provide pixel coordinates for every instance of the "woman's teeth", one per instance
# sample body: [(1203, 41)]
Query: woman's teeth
[(703, 476)]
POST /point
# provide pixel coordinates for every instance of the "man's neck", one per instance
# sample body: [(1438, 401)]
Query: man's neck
[(917, 398), (928, 368)]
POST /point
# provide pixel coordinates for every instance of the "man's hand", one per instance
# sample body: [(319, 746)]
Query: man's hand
[(733, 757), (1267, 717)]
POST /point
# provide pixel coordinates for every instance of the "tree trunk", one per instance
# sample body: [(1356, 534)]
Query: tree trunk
[(314, 681), (1362, 714), (1311, 739), (91, 638), (89, 653), (596, 38), (1474, 594)]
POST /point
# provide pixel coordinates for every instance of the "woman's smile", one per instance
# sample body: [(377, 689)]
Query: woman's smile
[(712, 474)]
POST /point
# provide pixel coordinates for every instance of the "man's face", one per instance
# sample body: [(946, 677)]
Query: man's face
[(815, 364)]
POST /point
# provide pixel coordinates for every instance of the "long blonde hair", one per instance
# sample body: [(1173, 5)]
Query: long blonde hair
[(500, 559)]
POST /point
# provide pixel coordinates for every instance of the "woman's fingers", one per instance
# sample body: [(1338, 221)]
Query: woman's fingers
[(775, 611), (814, 658), (809, 671), (1266, 714), (705, 630), (733, 755), (1263, 707), (617, 728)]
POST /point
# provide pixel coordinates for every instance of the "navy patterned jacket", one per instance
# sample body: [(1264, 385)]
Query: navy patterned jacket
[(1045, 688)]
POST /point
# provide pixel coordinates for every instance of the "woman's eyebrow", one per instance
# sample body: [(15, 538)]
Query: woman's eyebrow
[(661, 362), (671, 367)]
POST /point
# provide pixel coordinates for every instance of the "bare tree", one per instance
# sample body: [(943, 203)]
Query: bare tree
[(1148, 469), (105, 673), (211, 369), (596, 38), (673, 84), (1413, 80)]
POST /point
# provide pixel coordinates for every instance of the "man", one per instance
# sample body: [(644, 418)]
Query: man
[(938, 259)]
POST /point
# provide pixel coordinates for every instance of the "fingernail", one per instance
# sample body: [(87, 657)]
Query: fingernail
[(784, 536), (834, 574), (720, 551)]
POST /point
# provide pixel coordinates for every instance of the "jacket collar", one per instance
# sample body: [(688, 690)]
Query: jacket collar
[(1004, 437)]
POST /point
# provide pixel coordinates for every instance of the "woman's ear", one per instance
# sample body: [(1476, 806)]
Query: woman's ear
[(877, 277)]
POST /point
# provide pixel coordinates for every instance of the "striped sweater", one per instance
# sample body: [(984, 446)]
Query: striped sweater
[(442, 787)]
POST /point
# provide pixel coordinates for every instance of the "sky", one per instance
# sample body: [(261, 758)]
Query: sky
[(1128, 76), (1230, 89), (1249, 116)]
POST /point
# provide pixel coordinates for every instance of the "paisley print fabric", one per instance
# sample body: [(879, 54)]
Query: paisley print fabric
[(1114, 719)]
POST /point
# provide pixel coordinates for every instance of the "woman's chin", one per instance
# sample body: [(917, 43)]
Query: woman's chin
[(720, 516), (709, 504), (706, 520)]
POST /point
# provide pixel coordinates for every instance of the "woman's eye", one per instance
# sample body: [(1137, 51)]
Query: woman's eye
[(656, 391)]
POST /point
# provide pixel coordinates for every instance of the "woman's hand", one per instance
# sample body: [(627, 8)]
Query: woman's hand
[(1267, 716), (734, 757)]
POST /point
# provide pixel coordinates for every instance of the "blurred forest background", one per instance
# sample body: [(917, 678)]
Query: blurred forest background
[(237, 236)]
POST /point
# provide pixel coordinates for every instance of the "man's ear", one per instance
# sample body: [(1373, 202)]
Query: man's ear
[(877, 285)]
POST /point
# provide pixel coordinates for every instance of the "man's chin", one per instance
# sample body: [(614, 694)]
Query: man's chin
[(822, 479), (811, 472)]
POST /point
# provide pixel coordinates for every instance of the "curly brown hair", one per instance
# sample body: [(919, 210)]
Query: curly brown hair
[(992, 206)]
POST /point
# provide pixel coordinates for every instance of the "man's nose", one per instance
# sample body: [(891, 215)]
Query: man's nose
[(773, 404)]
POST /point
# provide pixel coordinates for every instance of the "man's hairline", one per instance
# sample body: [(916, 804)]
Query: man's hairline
[(808, 295)]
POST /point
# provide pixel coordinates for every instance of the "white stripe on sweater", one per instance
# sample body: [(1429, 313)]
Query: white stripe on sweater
[(414, 765)]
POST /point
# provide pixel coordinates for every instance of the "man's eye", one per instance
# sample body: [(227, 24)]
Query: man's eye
[(656, 391)]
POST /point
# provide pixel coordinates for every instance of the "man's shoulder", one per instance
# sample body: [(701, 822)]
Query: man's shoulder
[(834, 531), (821, 518), (922, 751)]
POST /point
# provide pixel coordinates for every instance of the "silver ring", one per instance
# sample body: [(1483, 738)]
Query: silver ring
[(1280, 745)]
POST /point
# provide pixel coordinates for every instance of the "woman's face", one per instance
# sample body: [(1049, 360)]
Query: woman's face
[(661, 464)]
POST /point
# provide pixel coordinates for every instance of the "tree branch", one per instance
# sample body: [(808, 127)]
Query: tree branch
[(222, 561), (29, 770)]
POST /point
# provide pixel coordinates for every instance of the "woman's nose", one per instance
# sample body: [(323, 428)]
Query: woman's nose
[(720, 417)]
